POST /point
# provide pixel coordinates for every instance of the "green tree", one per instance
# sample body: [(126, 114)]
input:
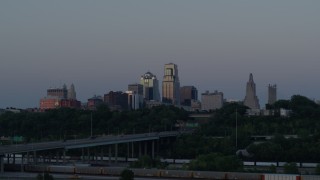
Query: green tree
[(216, 162), (291, 168), (44, 176), (126, 174), (317, 170)]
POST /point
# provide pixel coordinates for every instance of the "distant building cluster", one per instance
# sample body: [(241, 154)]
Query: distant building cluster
[(146, 94), (60, 97)]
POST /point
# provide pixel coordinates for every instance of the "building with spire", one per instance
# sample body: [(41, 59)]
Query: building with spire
[(72, 92), (171, 85), (150, 85), (251, 100), (60, 97)]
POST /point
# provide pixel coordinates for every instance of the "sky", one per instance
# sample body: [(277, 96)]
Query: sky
[(105, 45)]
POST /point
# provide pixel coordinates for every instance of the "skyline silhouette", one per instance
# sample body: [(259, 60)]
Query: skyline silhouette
[(105, 45)]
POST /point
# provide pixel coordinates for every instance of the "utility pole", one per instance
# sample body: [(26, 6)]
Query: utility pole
[(236, 128), (91, 126)]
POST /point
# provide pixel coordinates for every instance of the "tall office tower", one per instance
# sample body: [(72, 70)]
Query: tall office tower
[(251, 100), (60, 97), (116, 100), (58, 92), (72, 92), (211, 101), (171, 85), (272, 94), (187, 94), (150, 85), (137, 88)]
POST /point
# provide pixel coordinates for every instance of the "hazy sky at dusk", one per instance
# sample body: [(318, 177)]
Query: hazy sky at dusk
[(105, 45)]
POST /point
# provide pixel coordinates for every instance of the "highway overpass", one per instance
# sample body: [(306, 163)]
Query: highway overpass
[(64, 146)]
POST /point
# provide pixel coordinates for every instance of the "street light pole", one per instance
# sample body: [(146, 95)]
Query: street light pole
[(91, 126), (236, 128)]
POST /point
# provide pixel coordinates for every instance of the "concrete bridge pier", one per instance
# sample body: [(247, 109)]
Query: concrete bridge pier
[(14, 159), (8, 158), (109, 154), (140, 154), (145, 148), (128, 152), (82, 155), (28, 158), (101, 154), (116, 153), (22, 162), (1, 164), (132, 150), (35, 159), (152, 153), (64, 157), (88, 155), (57, 157)]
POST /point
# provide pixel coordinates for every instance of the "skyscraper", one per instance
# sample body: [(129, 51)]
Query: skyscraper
[(272, 94), (211, 101), (137, 88), (150, 85), (251, 100), (72, 92), (171, 85), (187, 94), (60, 97)]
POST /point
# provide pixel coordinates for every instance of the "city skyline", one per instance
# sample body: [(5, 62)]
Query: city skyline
[(104, 46)]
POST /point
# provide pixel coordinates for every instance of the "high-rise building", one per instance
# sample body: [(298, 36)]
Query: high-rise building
[(171, 85), (211, 101), (135, 100), (150, 85), (187, 94), (137, 88), (60, 97), (94, 102), (116, 100), (58, 92), (251, 100), (72, 92), (272, 94), (135, 96)]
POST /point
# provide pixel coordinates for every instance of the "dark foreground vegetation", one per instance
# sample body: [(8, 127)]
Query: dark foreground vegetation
[(213, 145)]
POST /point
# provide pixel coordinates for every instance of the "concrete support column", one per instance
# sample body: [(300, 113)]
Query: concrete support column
[(140, 154), (158, 146), (132, 150), (101, 154), (22, 162), (35, 159), (116, 153), (28, 158), (109, 154), (128, 151), (14, 159), (50, 157), (82, 155), (1, 164), (57, 157), (93, 154), (145, 148), (64, 157), (88, 154), (152, 153), (8, 158)]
